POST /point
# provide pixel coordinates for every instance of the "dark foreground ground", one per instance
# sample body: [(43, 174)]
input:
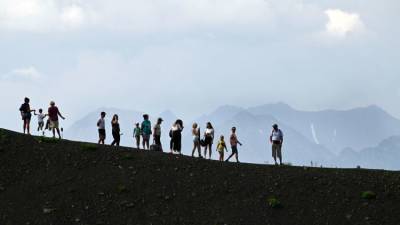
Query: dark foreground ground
[(74, 183)]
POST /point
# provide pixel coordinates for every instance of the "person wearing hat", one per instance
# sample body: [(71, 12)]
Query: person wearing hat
[(157, 132), (146, 131), (53, 114), (276, 140)]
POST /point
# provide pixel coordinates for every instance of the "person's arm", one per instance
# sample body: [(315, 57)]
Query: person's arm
[(60, 115), (270, 138), (226, 149), (34, 113)]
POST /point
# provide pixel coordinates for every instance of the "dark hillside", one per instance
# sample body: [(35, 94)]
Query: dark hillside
[(74, 183)]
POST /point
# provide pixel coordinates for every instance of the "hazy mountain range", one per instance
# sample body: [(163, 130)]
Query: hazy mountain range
[(360, 136)]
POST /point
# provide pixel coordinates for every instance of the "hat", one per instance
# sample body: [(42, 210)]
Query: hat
[(275, 126), (160, 119), (52, 103)]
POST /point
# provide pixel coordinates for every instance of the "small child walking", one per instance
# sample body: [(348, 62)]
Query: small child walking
[(136, 134), (221, 146), (40, 117)]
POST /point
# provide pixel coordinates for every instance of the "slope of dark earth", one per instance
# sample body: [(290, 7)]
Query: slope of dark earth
[(74, 183)]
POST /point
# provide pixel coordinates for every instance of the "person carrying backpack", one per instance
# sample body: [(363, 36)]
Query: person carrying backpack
[(26, 114), (276, 139), (146, 131)]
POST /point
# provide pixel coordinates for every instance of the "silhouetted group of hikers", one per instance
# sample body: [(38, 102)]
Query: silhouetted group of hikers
[(144, 131), (52, 122)]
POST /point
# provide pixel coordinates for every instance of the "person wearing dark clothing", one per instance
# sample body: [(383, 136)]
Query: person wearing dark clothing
[(157, 132), (26, 114), (209, 139), (176, 136), (115, 131)]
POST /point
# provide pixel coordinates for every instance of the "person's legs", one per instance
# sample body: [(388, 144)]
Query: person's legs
[(114, 138), (58, 132), (118, 139), (24, 126), (199, 149), (209, 150), (274, 153), (279, 153), (171, 145), (194, 148), (157, 140), (137, 141), (144, 141), (28, 121)]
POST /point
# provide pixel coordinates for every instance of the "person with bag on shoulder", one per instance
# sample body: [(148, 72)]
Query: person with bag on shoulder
[(276, 139), (26, 114)]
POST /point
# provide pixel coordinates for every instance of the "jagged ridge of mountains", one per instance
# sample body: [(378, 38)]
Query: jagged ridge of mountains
[(347, 138)]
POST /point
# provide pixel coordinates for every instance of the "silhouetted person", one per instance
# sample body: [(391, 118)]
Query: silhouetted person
[(176, 136), (234, 142), (146, 131), (115, 130), (208, 139), (157, 132), (136, 134), (101, 125), (26, 114), (221, 146), (276, 139), (196, 139), (53, 113), (40, 118)]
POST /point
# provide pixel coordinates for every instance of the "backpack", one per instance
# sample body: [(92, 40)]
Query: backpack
[(146, 127)]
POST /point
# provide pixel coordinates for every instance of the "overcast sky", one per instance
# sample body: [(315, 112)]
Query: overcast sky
[(191, 56)]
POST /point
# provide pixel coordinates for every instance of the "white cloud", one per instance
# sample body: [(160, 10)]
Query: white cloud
[(341, 23), (73, 16), (42, 15), (132, 15), (27, 73)]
